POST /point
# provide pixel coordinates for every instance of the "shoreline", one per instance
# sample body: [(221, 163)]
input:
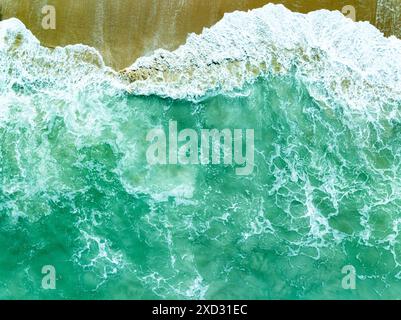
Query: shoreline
[(125, 31)]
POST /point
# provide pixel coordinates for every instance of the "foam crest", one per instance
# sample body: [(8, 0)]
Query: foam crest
[(338, 59)]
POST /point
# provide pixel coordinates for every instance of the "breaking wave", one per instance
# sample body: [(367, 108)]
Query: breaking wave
[(323, 95), (339, 60)]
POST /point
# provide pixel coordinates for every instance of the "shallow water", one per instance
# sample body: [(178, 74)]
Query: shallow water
[(77, 192)]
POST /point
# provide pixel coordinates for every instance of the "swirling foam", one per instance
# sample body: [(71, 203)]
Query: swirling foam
[(73, 144)]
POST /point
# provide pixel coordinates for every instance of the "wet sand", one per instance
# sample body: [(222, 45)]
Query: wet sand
[(388, 17), (124, 30)]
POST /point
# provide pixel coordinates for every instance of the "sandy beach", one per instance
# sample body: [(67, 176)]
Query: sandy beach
[(260, 160), (127, 29)]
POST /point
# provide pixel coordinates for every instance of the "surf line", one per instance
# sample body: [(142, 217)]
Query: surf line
[(204, 148)]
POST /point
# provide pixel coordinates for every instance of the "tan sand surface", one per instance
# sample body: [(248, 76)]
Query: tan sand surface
[(124, 30)]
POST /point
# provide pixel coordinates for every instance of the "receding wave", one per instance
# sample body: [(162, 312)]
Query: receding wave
[(338, 59), (321, 93)]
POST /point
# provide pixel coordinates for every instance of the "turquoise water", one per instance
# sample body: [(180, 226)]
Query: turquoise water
[(77, 192)]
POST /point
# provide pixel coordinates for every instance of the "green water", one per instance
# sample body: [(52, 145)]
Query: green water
[(77, 192), (323, 195)]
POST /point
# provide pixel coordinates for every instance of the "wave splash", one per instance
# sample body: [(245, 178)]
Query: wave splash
[(323, 96), (338, 59)]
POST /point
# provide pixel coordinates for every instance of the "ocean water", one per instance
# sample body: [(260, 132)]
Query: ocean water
[(323, 96)]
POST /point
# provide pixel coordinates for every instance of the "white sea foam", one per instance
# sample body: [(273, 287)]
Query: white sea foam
[(338, 59), (24, 61)]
